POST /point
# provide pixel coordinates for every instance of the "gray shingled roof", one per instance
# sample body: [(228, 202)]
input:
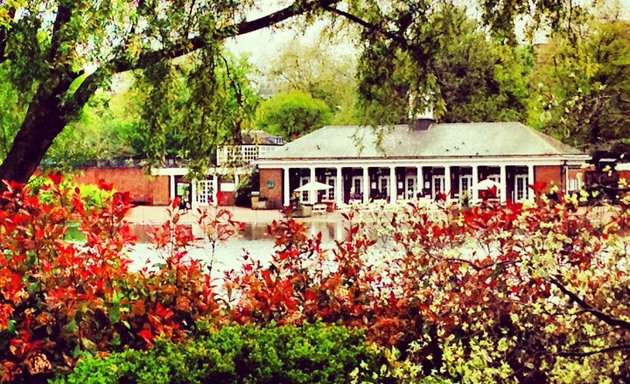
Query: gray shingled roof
[(440, 140), (257, 136)]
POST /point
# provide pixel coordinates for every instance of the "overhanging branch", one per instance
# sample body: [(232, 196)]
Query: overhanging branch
[(367, 25), (606, 318), (191, 45)]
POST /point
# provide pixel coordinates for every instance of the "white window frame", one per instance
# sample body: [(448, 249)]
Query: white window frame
[(205, 190)]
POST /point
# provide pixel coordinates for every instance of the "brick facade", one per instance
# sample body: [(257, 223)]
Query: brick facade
[(550, 174), (271, 187), (144, 189)]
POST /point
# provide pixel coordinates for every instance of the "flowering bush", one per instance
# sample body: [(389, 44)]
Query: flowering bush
[(507, 292), (528, 292), (62, 299)]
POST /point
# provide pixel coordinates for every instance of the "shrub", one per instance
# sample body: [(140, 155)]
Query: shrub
[(311, 353), (61, 299)]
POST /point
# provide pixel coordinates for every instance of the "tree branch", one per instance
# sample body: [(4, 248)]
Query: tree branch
[(63, 17), (367, 25), (606, 318), (190, 45), (619, 347)]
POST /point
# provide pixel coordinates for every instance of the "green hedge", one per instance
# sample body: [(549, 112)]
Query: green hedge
[(312, 353)]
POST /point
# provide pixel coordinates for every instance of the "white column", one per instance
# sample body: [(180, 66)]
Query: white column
[(503, 184), (286, 200), (447, 182), (366, 185), (236, 180), (419, 181), (312, 195), (393, 185), (172, 190), (338, 184), (215, 189), (475, 181), (530, 181), (193, 194)]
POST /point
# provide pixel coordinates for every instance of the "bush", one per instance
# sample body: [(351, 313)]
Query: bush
[(312, 353)]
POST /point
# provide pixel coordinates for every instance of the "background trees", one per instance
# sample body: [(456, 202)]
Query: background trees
[(292, 114), (58, 53), (325, 71), (580, 86)]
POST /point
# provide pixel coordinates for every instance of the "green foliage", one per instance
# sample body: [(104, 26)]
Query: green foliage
[(450, 66), (582, 85), (479, 79), (245, 187), (11, 113), (181, 119), (292, 114), (311, 353)]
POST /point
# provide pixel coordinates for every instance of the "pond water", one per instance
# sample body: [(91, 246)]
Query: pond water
[(253, 241)]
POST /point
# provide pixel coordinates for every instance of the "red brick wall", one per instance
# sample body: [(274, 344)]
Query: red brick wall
[(153, 190), (273, 194), (550, 174)]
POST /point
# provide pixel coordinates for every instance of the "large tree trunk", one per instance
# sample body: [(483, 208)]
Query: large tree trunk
[(43, 122)]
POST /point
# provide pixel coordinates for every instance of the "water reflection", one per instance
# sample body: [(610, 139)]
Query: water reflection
[(254, 240)]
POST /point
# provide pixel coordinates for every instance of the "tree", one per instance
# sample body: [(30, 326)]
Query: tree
[(321, 70), (478, 78), (66, 49), (582, 86), (293, 114)]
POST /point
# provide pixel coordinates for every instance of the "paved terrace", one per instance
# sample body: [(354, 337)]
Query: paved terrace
[(158, 215)]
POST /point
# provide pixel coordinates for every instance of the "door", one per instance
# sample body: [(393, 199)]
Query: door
[(410, 187), (304, 194), (465, 182), (520, 187), (205, 189), (438, 183), (356, 189), (330, 193), (383, 186)]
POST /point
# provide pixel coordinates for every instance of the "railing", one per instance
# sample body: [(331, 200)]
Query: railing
[(230, 155)]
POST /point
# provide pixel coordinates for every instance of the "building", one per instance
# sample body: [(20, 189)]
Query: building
[(421, 159), (219, 186)]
